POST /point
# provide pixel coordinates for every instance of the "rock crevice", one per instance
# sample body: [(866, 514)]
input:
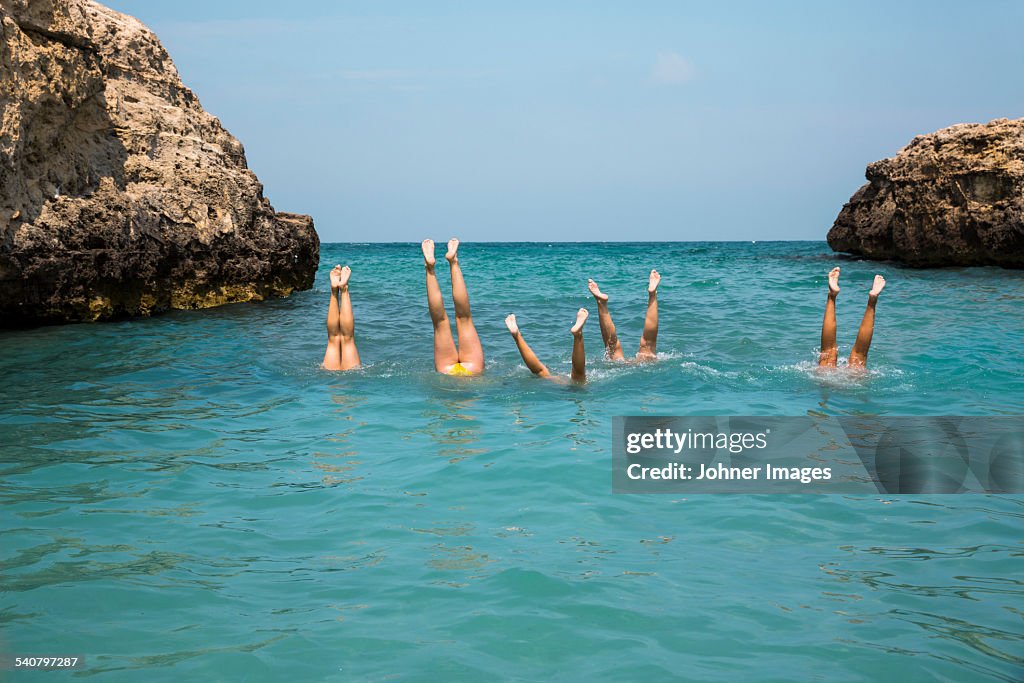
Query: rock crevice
[(119, 194)]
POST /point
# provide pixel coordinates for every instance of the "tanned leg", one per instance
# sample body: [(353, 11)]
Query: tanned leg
[(579, 355), (604, 318), (529, 357), (829, 351), (859, 355), (445, 354), (471, 351), (332, 357), (649, 339), (347, 324)]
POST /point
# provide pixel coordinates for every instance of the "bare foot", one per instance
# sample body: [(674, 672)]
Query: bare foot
[(877, 286), (336, 277), (592, 286), (428, 252), (510, 323), (343, 277), (652, 284), (581, 317), (453, 250), (833, 281)]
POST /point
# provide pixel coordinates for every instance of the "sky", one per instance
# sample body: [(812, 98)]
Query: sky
[(584, 121)]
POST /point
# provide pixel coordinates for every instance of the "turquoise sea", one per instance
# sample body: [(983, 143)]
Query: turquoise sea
[(189, 497)]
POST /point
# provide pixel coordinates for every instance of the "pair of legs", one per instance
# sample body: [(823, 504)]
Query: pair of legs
[(468, 358), (649, 338), (341, 351), (829, 351), (579, 355)]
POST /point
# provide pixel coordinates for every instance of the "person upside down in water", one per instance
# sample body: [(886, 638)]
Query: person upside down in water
[(579, 355), (649, 339), (468, 358), (341, 351), (829, 351)]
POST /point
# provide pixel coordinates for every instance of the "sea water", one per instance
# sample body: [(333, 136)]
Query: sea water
[(190, 497)]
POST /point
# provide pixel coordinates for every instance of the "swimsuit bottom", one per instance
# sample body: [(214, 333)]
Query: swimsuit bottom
[(459, 370)]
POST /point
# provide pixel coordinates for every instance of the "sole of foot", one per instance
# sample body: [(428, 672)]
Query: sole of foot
[(581, 317), (428, 252), (596, 291), (833, 281), (877, 286)]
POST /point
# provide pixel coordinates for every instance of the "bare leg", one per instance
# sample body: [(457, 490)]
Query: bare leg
[(347, 324), (529, 357), (579, 355), (445, 354), (332, 357), (649, 339), (471, 351), (859, 355), (604, 318), (829, 351)]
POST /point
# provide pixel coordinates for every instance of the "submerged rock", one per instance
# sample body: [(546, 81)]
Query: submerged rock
[(954, 197), (119, 194)]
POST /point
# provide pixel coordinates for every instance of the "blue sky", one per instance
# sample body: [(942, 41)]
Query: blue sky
[(392, 121)]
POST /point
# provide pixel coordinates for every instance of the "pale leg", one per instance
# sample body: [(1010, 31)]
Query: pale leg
[(604, 319), (649, 338), (347, 325), (471, 351), (579, 354), (859, 354), (445, 353), (332, 356), (529, 357), (829, 351)]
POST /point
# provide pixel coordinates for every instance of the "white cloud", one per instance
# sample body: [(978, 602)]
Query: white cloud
[(672, 69)]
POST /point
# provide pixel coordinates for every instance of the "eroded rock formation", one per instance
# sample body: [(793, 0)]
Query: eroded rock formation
[(952, 197), (119, 194)]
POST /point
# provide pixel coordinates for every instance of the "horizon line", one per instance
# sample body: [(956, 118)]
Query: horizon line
[(486, 241)]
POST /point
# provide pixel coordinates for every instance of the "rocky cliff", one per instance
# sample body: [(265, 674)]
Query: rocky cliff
[(953, 197), (119, 194)]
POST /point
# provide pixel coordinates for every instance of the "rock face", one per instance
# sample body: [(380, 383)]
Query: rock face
[(119, 194), (950, 198)]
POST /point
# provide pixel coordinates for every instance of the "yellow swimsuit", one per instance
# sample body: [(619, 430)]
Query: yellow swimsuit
[(459, 370)]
